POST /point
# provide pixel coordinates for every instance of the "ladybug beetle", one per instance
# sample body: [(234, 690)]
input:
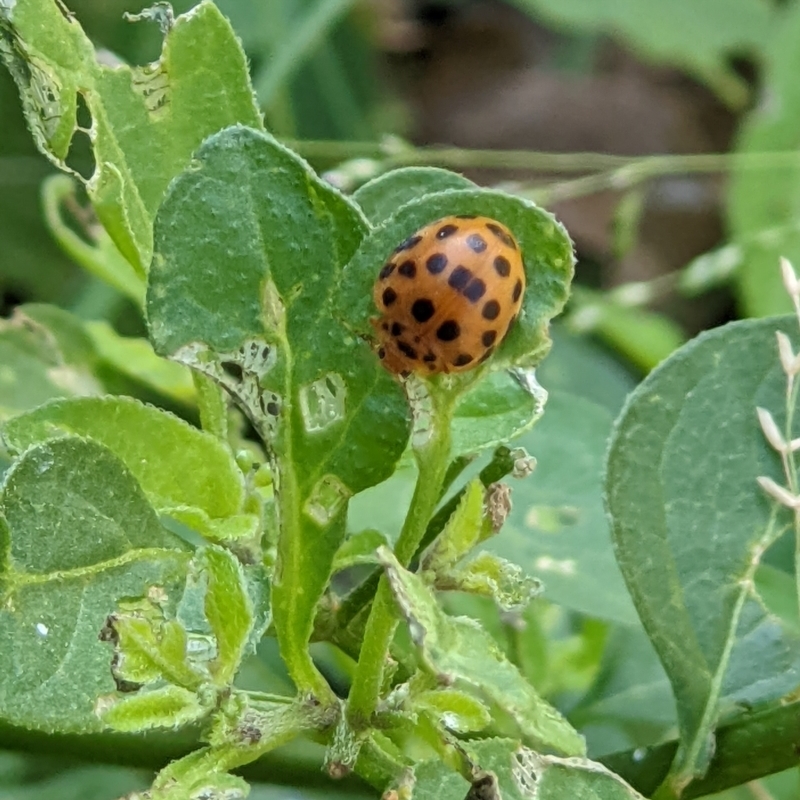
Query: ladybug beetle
[(448, 295)]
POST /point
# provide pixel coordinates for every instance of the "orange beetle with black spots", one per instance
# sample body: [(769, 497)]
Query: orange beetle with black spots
[(448, 295)]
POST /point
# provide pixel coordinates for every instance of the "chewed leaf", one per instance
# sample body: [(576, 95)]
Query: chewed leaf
[(146, 121), (519, 773), (250, 245), (77, 535), (457, 650)]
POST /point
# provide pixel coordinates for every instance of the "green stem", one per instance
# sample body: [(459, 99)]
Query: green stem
[(432, 460), (401, 154)]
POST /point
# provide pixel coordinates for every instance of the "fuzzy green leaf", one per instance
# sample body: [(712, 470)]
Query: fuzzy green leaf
[(250, 246), (382, 196), (229, 611), (147, 121), (167, 707), (517, 773), (175, 464), (458, 650), (76, 535)]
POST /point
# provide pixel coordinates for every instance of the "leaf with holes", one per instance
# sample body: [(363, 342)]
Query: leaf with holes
[(456, 650), (690, 524), (146, 121), (504, 769), (76, 535), (250, 246)]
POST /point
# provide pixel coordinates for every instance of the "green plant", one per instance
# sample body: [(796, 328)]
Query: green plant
[(144, 561)]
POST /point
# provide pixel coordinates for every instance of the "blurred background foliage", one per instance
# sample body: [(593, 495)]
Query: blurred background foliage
[(664, 134)]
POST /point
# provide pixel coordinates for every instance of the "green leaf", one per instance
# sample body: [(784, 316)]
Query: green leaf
[(229, 611), (76, 535), (457, 711), (461, 533), (643, 337), (148, 648), (546, 249), (489, 576), (496, 410), (99, 257), (690, 523), (700, 39), (579, 367), (557, 529), (33, 368), (359, 548), (382, 196), (250, 245), (457, 650), (518, 773), (167, 707), (135, 358), (630, 704), (767, 200), (65, 330), (176, 464), (434, 780), (147, 121)]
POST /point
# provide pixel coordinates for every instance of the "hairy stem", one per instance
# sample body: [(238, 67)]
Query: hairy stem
[(432, 460)]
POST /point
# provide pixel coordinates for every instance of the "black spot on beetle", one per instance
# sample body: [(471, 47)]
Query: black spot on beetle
[(381, 353), (429, 358), (407, 350), (389, 296), (445, 231), (461, 360), (423, 309), (397, 329), (502, 235), (476, 243), (387, 270), (488, 338), (459, 278), (233, 369), (408, 269), (491, 310), (436, 263), (475, 290), (502, 267), (517, 291), (412, 241), (448, 331)]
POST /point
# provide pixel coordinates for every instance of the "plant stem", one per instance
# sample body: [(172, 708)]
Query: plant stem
[(401, 154), (432, 460)]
